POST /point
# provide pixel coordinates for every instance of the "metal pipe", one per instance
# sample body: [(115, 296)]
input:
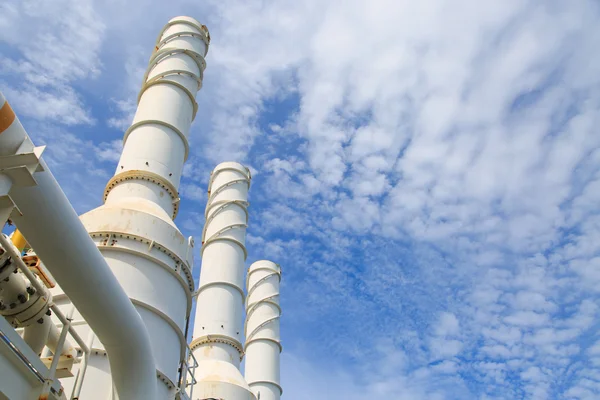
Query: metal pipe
[(36, 334), (24, 303), (6, 244), (53, 338), (49, 222)]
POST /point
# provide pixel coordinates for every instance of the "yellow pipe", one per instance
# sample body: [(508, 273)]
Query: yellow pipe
[(18, 240)]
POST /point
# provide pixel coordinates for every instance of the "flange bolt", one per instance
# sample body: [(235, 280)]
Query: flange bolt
[(6, 263)]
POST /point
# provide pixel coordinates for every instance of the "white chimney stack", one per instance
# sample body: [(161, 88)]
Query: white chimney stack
[(134, 229), (126, 269), (263, 346), (217, 343)]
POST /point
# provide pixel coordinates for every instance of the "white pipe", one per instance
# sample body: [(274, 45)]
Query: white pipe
[(219, 312), (52, 342), (263, 346), (36, 334), (53, 229)]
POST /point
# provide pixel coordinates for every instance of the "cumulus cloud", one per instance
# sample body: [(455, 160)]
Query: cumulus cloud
[(426, 173), (52, 46)]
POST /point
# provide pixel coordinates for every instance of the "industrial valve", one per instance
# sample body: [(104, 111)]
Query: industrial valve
[(25, 304)]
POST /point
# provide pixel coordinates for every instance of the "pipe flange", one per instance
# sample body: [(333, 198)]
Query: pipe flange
[(29, 312), (148, 176), (207, 339), (165, 379)]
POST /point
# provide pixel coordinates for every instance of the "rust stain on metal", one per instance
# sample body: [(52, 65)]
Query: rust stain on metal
[(34, 265)]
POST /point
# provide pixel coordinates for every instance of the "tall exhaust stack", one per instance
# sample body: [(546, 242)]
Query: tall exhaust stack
[(134, 229), (263, 345), (133, 279), (217, 343)]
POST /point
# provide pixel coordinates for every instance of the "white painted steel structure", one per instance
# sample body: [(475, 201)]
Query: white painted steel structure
[(124, 270), (35, 202), (263, 342), (217, 343), (26, 307), (134, 229)]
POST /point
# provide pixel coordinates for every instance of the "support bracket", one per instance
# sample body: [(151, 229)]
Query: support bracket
[(21, 167)]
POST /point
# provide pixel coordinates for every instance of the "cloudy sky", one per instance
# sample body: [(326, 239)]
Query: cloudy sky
[(426, 173)]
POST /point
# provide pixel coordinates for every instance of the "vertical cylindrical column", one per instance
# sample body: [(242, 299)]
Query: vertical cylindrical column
[(156, 145), (134, 229), (263, 346), (219, 312)]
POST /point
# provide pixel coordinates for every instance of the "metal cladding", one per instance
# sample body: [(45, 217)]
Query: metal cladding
[(263, 346), (217, 343), (134, 229)]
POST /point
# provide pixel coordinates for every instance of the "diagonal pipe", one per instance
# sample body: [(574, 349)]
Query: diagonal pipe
[(53, 229)]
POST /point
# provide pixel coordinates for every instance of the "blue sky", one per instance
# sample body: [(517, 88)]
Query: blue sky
[(426, 173)]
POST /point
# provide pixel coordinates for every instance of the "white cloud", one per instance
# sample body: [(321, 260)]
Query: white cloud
[(448, 325), (527, 318), (425, 171), (110, 151), (303, 379), (56, 44)]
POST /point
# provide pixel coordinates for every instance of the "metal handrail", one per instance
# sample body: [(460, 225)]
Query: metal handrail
[(65, 320), (191, 370)]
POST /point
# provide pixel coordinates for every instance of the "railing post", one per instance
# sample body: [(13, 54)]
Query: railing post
[(55, 358), (83, 366)]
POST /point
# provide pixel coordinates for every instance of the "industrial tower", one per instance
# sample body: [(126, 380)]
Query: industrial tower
[(99, 306)]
